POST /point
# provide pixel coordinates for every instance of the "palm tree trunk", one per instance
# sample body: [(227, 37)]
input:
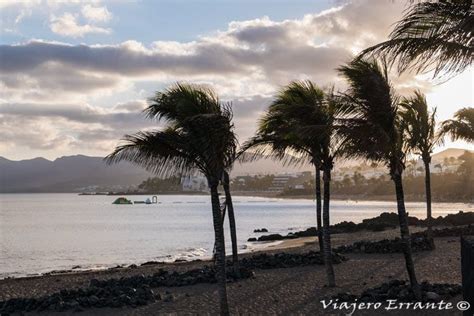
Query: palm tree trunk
[(317, 179), (223, 219), (428, 201), (220, 249), (326, 234), (405, 234), (233, 231)]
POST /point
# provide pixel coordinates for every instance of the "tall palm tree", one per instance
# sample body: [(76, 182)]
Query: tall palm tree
[(162, 107), (299, 126), (419, 126), (371, 126), (198, 137), (432, 35), (461, 127)]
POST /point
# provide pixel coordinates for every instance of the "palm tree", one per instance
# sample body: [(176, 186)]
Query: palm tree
[(299, 126), (420, 131), (462, 127), (232, 226), (431, 36), (370, 123), (198, 137)]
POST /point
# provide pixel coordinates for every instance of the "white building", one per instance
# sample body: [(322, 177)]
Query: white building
[(194, 184)]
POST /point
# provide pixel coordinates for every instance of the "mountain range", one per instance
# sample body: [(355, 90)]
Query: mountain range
[(73, 173)]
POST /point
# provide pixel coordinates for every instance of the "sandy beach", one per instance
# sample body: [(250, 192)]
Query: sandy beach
[(288, 291)]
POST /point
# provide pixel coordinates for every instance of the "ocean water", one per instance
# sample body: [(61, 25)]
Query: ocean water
[(45, 232)]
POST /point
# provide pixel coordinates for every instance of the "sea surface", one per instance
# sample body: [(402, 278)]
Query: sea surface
[(44, 232)]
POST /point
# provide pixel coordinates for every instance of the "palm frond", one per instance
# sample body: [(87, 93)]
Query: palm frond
[(299, 126), (164, 153), (461, 127), (199, 135), (419, 125), (432, 36), (369, 124), (182, 101)]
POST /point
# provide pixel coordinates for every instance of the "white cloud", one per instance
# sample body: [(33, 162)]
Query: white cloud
[(67, 25), (96, 14), (245, 63), (22, 3), (248, 58)]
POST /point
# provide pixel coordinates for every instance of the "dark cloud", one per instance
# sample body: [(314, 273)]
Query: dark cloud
[(42, 81), (120, 59), (79, 113), (313, 46)]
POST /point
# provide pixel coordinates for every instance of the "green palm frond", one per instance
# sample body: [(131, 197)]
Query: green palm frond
[(432, 36)]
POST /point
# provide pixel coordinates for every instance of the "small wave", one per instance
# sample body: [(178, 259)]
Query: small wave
[(189, 254), (259, 246)]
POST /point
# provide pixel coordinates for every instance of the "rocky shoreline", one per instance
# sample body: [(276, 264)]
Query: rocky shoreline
[(139, 290), (135, 289), (379, 223), (290, 283), (130, 291)]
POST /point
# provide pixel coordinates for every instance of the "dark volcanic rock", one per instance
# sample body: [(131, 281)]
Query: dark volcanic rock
[(260, 230), (274, 237), (286, 260), (458, 219), (450, 232), (126, 291), (401, 291), (419, 243), (379, 223), (137, 290), (150, 263)]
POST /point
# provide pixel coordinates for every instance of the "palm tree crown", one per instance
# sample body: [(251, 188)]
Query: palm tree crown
[(370, 120), (198, 136), (462, 127), (431, 36), (298, 126), (419, 125)]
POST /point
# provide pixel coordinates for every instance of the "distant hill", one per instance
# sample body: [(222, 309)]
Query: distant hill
[(447, 153), (71, 173), (65, 174)]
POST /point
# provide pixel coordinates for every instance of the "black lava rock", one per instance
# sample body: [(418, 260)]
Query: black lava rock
[(285, 260), (418, 243), (401, 291)]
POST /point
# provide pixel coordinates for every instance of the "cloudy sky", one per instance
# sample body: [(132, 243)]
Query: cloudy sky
[(74, 75)]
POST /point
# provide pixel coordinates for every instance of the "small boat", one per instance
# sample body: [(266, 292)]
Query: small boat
[(122, 200), (154, 200)]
